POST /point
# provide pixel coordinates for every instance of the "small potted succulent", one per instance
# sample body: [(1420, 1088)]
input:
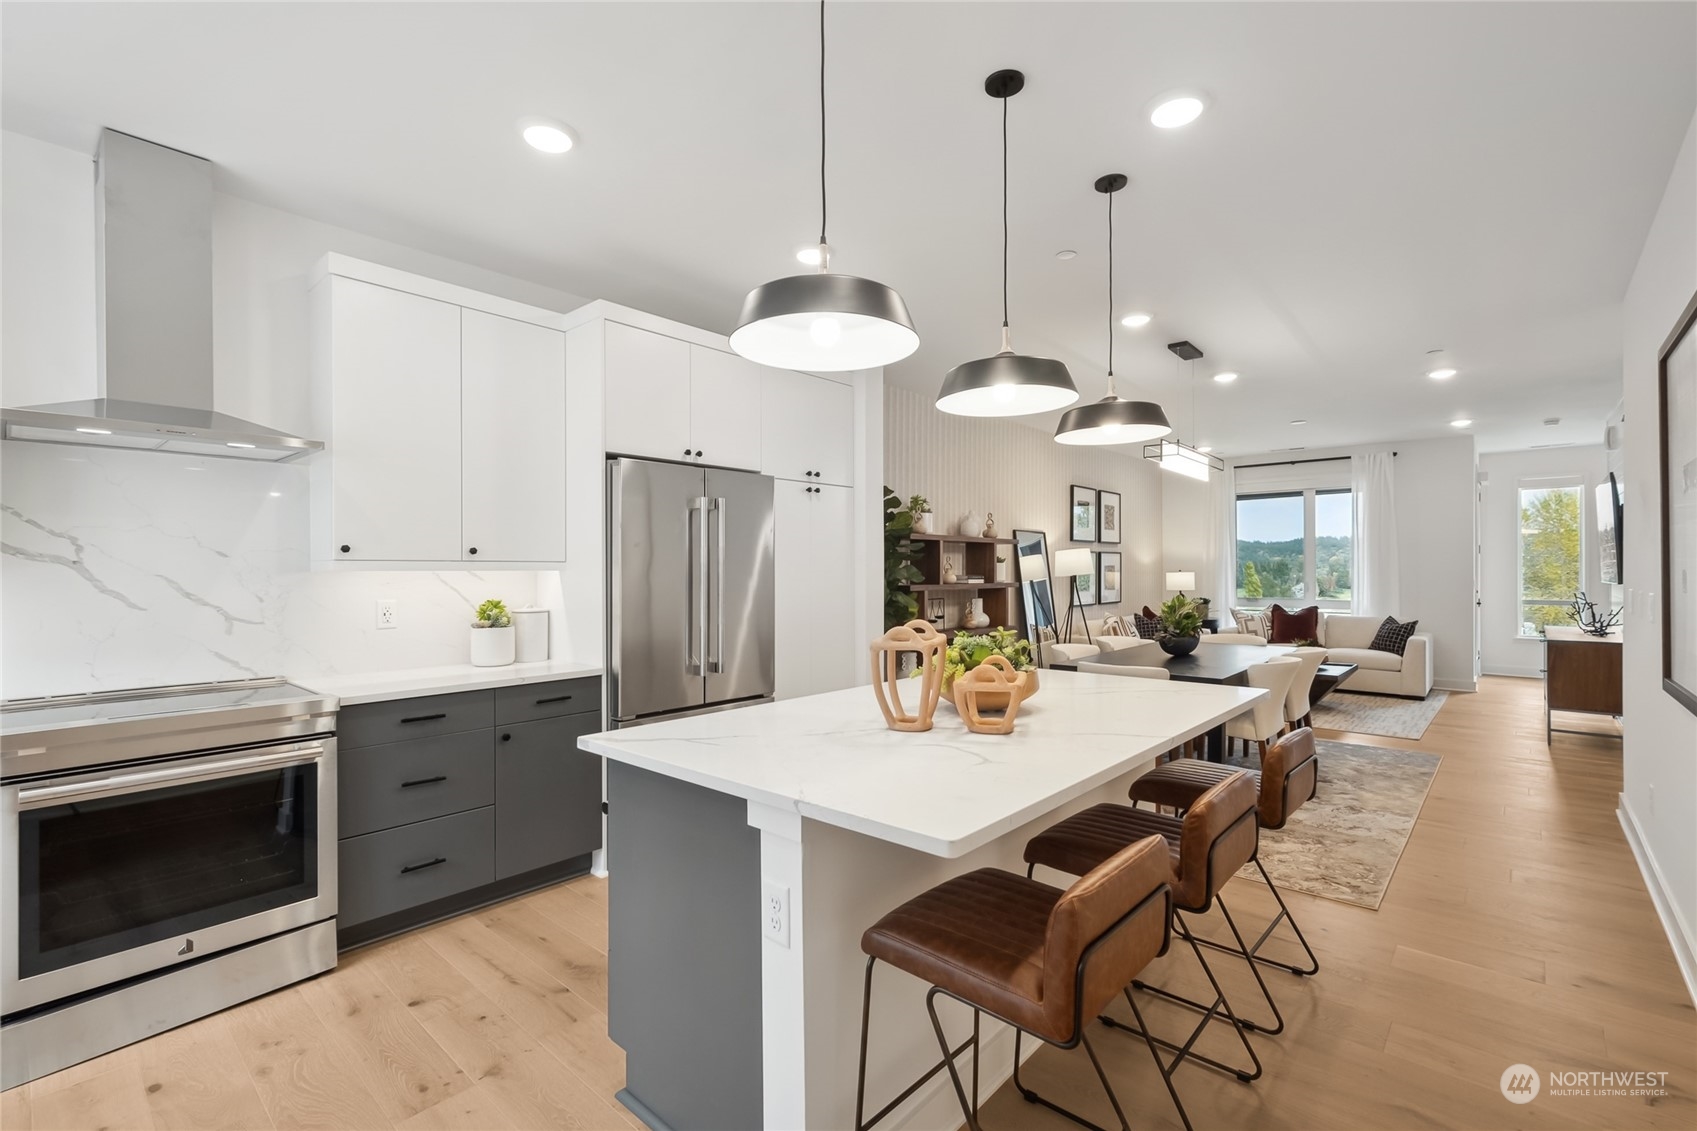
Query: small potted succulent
[(492, 641), (1179, 623), (920, 508)]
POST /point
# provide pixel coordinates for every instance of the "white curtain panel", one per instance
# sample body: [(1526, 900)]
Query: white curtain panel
[(1376, 588), (1224, 537)]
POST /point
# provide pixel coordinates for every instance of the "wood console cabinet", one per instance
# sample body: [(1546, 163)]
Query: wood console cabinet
[(1581, 673)]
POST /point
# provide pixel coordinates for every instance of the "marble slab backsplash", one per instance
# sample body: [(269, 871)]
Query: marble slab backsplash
[(126, 569)]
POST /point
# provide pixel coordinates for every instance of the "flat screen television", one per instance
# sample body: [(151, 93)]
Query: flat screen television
[(1611, 537)]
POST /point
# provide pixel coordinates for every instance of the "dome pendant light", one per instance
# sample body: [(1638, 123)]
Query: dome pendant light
[(1112, 420), (1008, 384), (824, 322)]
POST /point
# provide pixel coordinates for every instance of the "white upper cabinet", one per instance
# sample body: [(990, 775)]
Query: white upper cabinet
[(724, 408), (513, 427), (807, 428), (647, 396), (394, 426), (671, 399)]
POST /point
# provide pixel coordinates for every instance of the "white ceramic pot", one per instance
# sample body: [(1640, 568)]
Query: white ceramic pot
[(922, 522), (975, 614), (530, 629), (1004, 571), (492, 647), (971, 525)]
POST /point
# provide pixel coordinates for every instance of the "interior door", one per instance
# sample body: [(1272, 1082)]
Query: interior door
[(739, 572), (513, 422), (657, 611)]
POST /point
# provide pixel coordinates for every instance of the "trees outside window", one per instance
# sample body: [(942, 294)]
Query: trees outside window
[(1295, 544), (1551, 554)]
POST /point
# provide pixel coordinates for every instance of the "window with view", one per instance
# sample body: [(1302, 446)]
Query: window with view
[(1551, 554), (1296, 546)]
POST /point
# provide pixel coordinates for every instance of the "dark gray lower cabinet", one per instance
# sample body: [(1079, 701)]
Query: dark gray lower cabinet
[(547, 794), (449, 802)]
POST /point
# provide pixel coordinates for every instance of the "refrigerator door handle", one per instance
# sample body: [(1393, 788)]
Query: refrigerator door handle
[(716, 642), (697, 520)]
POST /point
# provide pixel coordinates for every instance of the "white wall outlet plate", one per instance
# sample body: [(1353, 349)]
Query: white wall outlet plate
[(775, 912), (386, 615)]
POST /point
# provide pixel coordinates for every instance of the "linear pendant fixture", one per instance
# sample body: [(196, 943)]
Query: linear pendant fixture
[(1112, 420), (1007, 384), (824, 322), (1176, 455)]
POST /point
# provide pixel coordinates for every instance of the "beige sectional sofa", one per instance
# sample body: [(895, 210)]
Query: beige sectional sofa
[(1348, 639)]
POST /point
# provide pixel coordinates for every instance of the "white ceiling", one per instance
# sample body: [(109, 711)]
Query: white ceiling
[(1371, 181)]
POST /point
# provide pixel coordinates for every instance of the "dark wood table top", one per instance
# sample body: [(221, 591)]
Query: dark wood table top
[(1210, 663)]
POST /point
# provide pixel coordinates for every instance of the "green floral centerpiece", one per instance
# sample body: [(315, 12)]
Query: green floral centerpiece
[(1180, 625), (969, 649)]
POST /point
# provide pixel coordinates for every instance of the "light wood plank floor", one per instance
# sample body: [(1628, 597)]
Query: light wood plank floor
[(1516, 929)]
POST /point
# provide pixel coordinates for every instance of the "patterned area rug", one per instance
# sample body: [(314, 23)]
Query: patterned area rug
[(1345, 843), (1378, 714)]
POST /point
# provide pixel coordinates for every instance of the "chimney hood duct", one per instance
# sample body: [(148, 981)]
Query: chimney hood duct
[(153, 319)]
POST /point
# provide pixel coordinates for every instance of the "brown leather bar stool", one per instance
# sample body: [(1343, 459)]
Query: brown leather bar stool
[(1289, 775), (1215, 837), (1033, 956)]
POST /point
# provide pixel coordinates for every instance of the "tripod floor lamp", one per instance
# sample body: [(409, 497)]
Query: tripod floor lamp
[(1075, 564)]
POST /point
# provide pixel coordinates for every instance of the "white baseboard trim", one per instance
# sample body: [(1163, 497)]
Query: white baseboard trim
[(1679, 934), (1467, 685), (1518, 673)]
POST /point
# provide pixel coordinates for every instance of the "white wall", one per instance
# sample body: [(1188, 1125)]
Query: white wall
[(1503, 651), (1434, 504), (125, 568), (1659, 801), (1024, 478)]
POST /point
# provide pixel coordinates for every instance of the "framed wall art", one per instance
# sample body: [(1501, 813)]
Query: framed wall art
[(1086, 583), (1108, 517), (1108, 577), (1083, 511), (1677, 403)]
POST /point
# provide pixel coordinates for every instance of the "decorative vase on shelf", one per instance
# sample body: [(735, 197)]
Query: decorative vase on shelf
[(975, 615), (1004, 570), (990, 525), (922, 522), (949, 574), (971, 525), (1178, 645)]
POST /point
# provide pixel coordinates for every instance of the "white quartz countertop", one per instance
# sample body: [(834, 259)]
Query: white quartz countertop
[(375, 687), (947, 791)]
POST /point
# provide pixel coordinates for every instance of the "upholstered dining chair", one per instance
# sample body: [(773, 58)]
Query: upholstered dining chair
[(1133, 670), (1265, 721), (1296, 701), (1056, 652)]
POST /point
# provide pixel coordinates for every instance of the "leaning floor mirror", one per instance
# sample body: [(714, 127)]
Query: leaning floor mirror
[(1031, 552)]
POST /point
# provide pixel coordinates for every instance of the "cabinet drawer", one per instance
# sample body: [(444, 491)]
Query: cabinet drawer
[(379, 787), (400, 720), (530, 701), (382, 873)]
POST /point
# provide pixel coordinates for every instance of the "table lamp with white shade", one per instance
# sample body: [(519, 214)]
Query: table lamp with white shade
[(1075, 564), (1180, 580)]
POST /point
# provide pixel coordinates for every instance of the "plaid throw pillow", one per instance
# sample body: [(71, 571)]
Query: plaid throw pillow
[(1147, 627), (1393, 637)]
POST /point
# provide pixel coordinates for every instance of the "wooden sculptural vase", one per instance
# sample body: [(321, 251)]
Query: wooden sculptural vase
[(932, 647)]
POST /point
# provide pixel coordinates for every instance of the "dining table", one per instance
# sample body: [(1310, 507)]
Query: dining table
[(1226, 664)]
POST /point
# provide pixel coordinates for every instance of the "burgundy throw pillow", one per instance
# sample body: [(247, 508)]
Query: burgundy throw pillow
[(1289, 627), (1148, 612)]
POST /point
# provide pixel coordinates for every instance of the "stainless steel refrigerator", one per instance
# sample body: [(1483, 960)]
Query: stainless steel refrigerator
[(689, 609)]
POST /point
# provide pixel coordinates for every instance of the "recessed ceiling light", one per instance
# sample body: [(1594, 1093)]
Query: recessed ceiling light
[(1443, 374), (1299, 422), (1225, 378), (1176, 109), (808, 255), (547, 135), (1462, 423), (1135, 321), (276, 494), (1066, 253)]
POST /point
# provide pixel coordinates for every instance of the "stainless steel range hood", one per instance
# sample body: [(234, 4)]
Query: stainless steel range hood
[(153, 319)]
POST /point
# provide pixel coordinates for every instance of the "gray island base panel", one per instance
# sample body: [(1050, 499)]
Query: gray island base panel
[(683, 952), (724, 1026)]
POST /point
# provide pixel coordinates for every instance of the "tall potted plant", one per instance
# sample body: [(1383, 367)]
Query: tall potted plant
[(1179, 623), (900, 552)]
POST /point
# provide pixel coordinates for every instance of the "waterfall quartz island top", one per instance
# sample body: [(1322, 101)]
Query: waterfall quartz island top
[(749, 849)]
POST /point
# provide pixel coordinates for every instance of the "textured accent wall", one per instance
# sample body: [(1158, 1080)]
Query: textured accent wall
[(1019, 474)]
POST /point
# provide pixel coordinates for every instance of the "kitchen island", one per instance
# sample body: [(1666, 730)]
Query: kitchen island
[(749, 849)]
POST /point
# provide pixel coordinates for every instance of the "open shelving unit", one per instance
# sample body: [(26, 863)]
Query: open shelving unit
[(973, 556)]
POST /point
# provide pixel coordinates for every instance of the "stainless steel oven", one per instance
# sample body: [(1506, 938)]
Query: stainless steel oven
[(149, 835)]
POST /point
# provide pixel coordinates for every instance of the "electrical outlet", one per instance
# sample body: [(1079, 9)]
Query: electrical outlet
[(775, 912), (386, 616)]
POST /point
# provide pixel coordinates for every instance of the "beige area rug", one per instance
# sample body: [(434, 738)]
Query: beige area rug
[(1345, 843), (1378, 714)]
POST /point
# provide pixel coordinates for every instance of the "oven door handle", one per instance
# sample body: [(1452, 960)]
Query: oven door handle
[(130, 783)]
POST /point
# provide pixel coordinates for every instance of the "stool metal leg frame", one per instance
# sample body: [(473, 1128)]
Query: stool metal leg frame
[(969, 1109), (1284, 914), (1243, 951)]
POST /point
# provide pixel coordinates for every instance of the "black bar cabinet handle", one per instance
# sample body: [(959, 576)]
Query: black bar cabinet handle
[(424, 781), (425, 718), (426, 864), (554, 699)]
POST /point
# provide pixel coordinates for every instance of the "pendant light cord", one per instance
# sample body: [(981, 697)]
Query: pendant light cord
[(1004, 213), (1110, 197), (822, 205)]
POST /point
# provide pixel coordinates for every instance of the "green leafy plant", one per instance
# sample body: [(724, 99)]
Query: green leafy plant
[(900, 554), (918, 505), (492, 614), (967, 650), (1180, 616)]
